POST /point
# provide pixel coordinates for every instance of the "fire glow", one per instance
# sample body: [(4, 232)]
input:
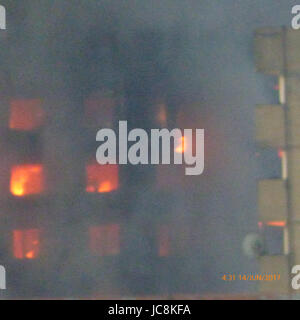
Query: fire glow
[(160, 147), (26, 115), (26, 243), (182, 145), (27, 179), (101, 178), (280, 224)]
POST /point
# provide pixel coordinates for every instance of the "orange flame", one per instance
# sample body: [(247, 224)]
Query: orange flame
[(30, 254), (26, 243), (105, 186), (276, 223), (281, 224), (182, 145), (101, 178), (26, 180)]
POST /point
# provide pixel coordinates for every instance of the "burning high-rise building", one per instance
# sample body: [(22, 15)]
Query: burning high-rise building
[(70, 226)]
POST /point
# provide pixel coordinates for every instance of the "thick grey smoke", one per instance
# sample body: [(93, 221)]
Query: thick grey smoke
[(203, 52)]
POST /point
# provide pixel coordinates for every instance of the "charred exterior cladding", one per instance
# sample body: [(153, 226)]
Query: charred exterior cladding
[(72, 227)]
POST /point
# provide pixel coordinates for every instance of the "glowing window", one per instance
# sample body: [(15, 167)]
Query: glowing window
[(99, 110), (27, 179), (105, 240), (102, 178), (26, 115), (26, 243), (163, 241)]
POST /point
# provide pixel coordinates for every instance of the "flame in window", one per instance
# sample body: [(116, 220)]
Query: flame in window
[(182, 145), (26, 243), (105, 186), (102, 178), (26, 179), (26, 115), (105, 240), (281, 224)]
